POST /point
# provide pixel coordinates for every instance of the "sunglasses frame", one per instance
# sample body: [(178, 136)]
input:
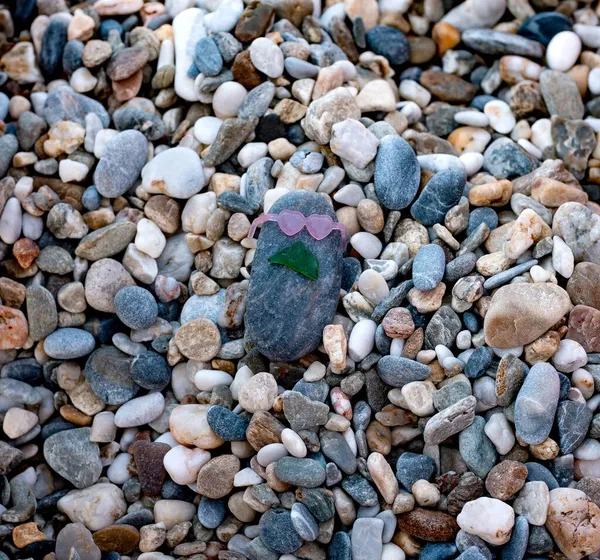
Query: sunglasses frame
[(304, 220)]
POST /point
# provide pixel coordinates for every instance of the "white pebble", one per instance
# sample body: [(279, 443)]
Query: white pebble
[(463, 340), (271, 453), (530, 148), (11, 221), (267, 57), (584, 381), (563, 260), (70, 170), (500, 433), (362, 339), (246, 477), (501, 117), (472, 118), (206, 129), (473, 162), (102, 139), (208, 379), (413, 91), (594, 81), (140, 411), (569, 356), (293, 443), (118, 472), (183, 464), (563, 51), (227, 99), (366, 244), (149, 238), (373, 286), (82, 80), (33, 226), (589, 450), (252, 152), (349, 195)]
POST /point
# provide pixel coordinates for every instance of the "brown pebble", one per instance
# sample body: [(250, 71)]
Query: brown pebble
[(446, 36), (447, 87), (71, 414), (553, 193), (117, 538), (379, 438), (584, 327), (27, 533), (263, 430), (198, 340), (506, 479), (254, 22), (12, 294), (148, 456), (398, 323), (215, 479), (244, 71), (428, 525), (25, 251), (582, 286), (164, 212)]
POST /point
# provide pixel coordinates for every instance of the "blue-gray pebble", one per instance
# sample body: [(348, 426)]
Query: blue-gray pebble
[(536, 403), (207, 57), (211, 512), (476, 448), (68, 344), (277, 531), (397, 173), (389, 42), (478, 362), (150, 371), (412, 467), (226, 424), (136, 307), (428, 267), (121, 163), (441, 193), (397, 371), (304, 522)]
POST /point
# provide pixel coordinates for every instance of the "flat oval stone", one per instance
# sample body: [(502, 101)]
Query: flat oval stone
[(395, 158), (121, 163), (397, 371), (68, 344), (73, 456), (286, 311), (521, 313), (429, 266), (441, 193), (573, 421), (389, 42), (536, 404), (300, 472), (53, 43)]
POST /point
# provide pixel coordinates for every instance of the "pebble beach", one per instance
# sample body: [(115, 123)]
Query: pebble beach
[(300, 280)]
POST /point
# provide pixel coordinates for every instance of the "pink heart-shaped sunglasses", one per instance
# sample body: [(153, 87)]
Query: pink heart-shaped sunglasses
[(291, 222)]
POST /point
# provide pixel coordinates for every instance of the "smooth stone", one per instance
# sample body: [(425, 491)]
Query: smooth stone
[(53, 42), (503, 158), (450, 421), (275, 287), (226, 424), (69, 343), (476, 448), (544, 25), (536, 403), (95, 507), (360, 490), (121, 163), (397, 371), (150, 371), (176, 172), (395, 156), (335, 447), (441, 193), (300, 472), (497, 43), (412, 467), (388, 42), (428, 267), (211, 512), (71, 454), (140, 411), (304, 522), (136, 307), (367, 538), (561, 95), (443, 328), (488, 518), (521, 313)]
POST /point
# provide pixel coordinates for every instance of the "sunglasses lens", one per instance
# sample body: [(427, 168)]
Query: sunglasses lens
[(290, 223), (319, 226)]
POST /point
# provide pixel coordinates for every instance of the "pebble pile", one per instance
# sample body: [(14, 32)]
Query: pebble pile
[(172, 387)]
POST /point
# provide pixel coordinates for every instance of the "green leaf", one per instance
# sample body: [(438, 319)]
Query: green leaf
[(298, 258)]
